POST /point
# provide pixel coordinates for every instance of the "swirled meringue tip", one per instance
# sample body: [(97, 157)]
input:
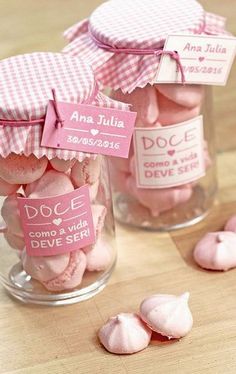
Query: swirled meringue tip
[(167, 315), (125, 333), (216, 251)]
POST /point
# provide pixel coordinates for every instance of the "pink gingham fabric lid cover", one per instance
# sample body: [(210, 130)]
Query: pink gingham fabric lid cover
[(25, 89), (143, 24)]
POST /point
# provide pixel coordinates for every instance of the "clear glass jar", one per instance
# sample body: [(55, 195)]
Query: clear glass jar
[(71, 276), (163, 207)]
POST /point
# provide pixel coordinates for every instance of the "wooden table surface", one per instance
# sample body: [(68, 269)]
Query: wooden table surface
[(38, 340)]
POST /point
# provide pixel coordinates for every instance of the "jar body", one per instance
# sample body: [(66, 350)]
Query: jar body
[(68, 277), (157, 188)]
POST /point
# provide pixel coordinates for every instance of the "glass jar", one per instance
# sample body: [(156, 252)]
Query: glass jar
[(57, 243), (154, 205), (149, 55), (68, 277)]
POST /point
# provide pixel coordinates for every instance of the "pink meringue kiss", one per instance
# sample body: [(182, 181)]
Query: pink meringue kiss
[(124, 334), (159, 200), (231, 224), (168, 315), (98, 256), (19, 169), (7, 188), (216, 251), (52, 183), (61, 165), (86, 172), (144, 102), (172, 113), (44, 269), (72, 276), (185, 95), (11, 214)]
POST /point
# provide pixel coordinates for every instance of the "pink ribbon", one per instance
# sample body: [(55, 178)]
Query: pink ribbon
[(26, 123), (142, 52), (59, 120)]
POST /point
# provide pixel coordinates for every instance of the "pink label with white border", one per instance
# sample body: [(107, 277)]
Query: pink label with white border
[(205, 59), (169, 156), (57, 225), (89, 129)]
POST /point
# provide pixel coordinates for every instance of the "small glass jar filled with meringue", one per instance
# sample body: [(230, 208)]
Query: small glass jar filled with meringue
[(161, 57), (57, 242)]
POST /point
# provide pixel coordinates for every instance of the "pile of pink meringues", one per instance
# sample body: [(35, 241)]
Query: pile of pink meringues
[(157, 105), (38, 178), (169, 315), (128, 333)]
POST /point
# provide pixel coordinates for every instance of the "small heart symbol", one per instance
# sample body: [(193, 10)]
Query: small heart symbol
[(201, 59), (94, 132), (57, 221), (171, 152)]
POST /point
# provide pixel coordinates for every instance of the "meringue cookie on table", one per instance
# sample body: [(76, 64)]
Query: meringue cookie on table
[(216, 251), (168, 315), (125, 333)]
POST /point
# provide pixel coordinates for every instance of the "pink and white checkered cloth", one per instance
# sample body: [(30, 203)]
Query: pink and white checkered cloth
[(143, 24), (26, 84)]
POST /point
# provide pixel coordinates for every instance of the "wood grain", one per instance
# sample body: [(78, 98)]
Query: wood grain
[(63, 340)]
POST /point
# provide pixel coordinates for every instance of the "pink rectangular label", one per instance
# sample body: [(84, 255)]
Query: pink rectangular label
[(56, 225), (169, 156), (205, 59), (89, 129)]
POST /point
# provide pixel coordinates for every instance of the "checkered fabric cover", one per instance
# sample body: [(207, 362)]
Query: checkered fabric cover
[(141, 24), (26, 83)]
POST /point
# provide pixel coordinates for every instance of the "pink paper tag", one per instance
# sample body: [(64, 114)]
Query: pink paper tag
[(169, 156), (205, 59), (89, 129), (56, 225)]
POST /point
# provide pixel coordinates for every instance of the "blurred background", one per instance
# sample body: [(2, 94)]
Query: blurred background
[(31, 25)]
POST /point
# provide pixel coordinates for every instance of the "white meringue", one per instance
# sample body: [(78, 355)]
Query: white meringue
[(125, 333), (168, 315), (216, 251)]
